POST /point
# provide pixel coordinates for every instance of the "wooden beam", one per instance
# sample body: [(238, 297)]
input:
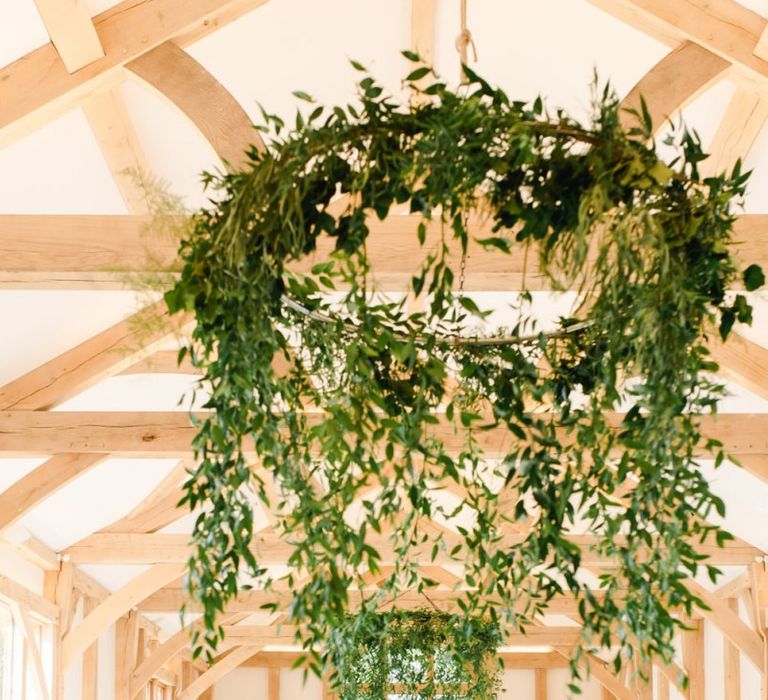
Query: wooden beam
[(43, 89), (273, 684), (113, 130), (98, 357), (270, 548), (158, 433), (731, 663), (177, 77), (90, 660), (158, 509), (11, 591), (171, 647), (540, 680), (43, 481), (743, 362), (114, 607), (62, 251), (724, 27), (72, 32), (730, 625), (673, 83), (693, 659), (216, 672), (740, 126), (33, 650)]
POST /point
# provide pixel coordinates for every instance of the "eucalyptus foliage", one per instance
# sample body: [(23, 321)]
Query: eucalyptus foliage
[(421, 652), (324, 392)]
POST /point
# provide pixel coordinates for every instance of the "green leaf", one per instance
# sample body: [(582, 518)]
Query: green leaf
[(753, 278)]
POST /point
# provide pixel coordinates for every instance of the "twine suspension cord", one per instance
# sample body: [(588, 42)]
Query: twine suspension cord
[(464, 40)]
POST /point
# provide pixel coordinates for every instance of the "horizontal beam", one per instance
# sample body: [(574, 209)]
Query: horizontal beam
[(512, 660), (171, 599), (53, 252), (171, 433), (272, 549)]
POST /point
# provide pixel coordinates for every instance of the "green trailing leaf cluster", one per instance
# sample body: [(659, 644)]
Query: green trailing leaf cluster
[(418, 654), (353, 408)]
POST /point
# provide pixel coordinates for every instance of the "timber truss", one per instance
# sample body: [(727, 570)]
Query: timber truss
[(84, 63)]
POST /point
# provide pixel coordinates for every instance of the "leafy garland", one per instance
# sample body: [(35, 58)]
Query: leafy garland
[(358, 396), (419, 652)]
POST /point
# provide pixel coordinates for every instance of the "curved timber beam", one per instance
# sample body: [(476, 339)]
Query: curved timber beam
[(165, 652), (114, 607), (41, 87), (178, 77), (216, 672), (674, 82)]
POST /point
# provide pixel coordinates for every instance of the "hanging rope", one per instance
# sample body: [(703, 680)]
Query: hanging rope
[(465, 40)]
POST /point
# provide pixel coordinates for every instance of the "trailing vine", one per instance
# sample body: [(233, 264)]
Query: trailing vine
[(353, 409)]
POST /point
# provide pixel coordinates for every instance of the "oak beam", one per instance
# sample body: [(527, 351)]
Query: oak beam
[(72, 32), (114, 607), (177, 77), (724, 27), (270, 548), (43, 89), (172, 432), (105, 354), (64, 251), (673, 83), (216, 672), (43, 481)]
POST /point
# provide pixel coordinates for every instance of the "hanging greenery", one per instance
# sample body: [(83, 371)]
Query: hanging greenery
[(356, 410), (420, 654)]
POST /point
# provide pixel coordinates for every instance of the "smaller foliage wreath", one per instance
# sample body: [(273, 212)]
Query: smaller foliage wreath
[(352, 409), (419, 654)]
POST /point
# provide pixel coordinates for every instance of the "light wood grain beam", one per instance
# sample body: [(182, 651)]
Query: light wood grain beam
[(158, 509), (113, 130), (693, 659), (723, 27), (43, 89), (172, 432), (10, 590), (731, 663), (177, 77), (72, 32), (216, 672), (742, 361), (55, 252), (104, 354), (271, 549), (114, 607), (33, 651), (730, 625), (740, 126), (171, 647), (600, 671), (43, 481), (673, 83), (90, 671)]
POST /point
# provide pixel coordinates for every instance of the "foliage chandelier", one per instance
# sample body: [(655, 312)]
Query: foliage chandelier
[(349, 413)]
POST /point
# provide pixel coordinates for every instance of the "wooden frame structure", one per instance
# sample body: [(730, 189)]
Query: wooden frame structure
[(86, 59)]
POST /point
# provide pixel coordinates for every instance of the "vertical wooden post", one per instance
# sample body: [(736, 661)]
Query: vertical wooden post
[(662, 687), (693, 658), (541, 684), (90, 660), (126, 629), (273, 683), (732, 666)]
